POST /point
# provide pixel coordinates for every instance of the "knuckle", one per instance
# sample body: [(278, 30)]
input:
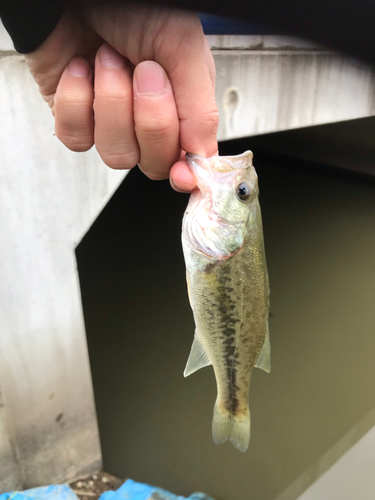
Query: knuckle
[(120, 161), (109, 97), (211, 121), (76, 143), (157, 126), (73, 101), (154, 176)]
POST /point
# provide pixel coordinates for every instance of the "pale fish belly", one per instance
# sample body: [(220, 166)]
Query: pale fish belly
[(230, 301)]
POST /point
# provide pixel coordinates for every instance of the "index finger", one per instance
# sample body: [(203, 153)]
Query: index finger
[(189, 64)]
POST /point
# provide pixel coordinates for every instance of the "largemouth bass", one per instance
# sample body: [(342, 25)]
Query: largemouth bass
[(222, 239)]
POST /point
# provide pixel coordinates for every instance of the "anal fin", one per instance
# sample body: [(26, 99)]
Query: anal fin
[(264, 360), (197, 359)]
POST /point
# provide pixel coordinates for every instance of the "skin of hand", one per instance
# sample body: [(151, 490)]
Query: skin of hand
[(139, 83)]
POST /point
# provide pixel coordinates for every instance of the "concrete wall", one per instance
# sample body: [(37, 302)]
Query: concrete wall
[(49, 198)]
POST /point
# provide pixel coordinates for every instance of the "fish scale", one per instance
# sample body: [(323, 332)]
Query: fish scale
[(228, 287)]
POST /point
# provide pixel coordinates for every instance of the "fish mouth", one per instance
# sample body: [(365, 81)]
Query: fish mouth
[(221, 164), (235, 157)]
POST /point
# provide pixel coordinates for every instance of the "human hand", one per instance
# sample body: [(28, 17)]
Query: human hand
[(153, 92)]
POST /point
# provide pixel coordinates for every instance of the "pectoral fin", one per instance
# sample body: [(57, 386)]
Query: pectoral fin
[(264, 360), (198, 358)]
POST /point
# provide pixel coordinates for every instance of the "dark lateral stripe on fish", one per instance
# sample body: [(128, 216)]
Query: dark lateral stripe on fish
[(226, 308), (233, 402)]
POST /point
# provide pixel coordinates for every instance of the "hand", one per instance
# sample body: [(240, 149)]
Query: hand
[(153, 92)]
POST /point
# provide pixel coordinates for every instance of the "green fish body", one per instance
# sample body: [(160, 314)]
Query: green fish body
[(222, 238)]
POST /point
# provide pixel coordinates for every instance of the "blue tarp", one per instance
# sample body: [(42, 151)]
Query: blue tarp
[(130, 490), (53, 492)]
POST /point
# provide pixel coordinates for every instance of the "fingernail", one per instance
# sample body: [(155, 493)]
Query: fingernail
[(150, 79), (110, 58), (79, 68)]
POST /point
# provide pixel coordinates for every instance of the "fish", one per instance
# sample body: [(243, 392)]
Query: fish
[(228, 286)]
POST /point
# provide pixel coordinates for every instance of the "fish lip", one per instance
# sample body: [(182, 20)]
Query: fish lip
[(199, 157), (233, 163), (194, 156)]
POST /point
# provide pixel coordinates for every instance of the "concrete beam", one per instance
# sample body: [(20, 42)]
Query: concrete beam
[(268, 84)]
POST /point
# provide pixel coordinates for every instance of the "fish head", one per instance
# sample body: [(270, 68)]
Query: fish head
[(216, 219)]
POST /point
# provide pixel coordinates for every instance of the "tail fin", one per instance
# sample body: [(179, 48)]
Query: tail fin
[(225, 426)]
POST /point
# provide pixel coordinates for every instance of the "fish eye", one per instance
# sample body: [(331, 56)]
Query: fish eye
[(243, 191)]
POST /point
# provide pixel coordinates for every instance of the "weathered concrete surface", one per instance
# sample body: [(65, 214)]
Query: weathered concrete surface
[(9, 470), (5, 41), (260, 42), (49, 198), (266, 90)]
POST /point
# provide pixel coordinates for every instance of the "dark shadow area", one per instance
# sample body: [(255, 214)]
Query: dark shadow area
[(348, 144), (155, 426)]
